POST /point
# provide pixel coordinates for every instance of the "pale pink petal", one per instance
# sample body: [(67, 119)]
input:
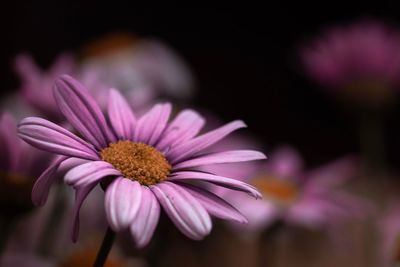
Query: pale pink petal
[(184, 210), (122, 202), (215, 179), (82, 111), (150, 127), (89, 173), (121, 116), (196, 145), (50, 137), (215, 205), (41, 188), (186, 125), (221, 157), (80, 195), (145, 222)]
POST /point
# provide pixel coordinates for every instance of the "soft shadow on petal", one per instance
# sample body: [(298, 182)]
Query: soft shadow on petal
[(50, 137), (145, 222), (215, 205), (122, 202), (184, 210), (215, 179)]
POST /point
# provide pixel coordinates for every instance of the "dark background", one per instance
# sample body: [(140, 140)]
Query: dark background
[(244, 59)]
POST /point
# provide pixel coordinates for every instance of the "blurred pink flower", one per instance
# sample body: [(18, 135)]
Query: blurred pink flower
[(36, 84), (19, 165), (362, 59), (142, 69), (298, 197)]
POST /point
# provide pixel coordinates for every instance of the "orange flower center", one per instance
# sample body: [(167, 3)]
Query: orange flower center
[(137, 161), (278, 190)]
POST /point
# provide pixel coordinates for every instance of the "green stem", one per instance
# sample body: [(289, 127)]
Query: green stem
[(105, 248)]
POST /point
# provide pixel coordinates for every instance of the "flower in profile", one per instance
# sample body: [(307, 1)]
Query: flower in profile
[(142, 163), (36, 84), (142, 69), (19, 164), (297, 197), (360, 61)]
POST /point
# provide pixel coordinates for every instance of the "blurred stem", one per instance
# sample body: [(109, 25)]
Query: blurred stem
[(105, 248), (267, 245), (49, 235), (372, 141), (7, 226)]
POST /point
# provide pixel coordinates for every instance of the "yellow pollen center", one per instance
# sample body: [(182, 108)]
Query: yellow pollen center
[(279, 190), (137, 161)]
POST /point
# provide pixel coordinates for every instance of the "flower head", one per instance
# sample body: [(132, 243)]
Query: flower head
[(143, 163), (297, 197), (361, 61)]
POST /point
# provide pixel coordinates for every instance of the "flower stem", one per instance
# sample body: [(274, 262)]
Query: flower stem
[(105, 248)]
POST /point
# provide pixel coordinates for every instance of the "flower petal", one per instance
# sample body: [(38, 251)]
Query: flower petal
[(185, 126), (80, 195), (196, 145), (121, 116), (219, 180), (41, 188), (215, 205), (122, 202), (221, 157), (10, 143), (152, 124), (145, 222), (82, 111), (184, 210), (50, 137), (90, 172)]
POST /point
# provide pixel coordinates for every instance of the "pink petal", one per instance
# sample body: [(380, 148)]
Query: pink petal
[(152, 124), (185, 211), (90, 172), (80, 195), (50, 137), (122, 202), (215, 205), (185, 126), (82, 111), (196, 145), (145, 222), (120, 114), (41, 188), (219, 180), (221, 157)]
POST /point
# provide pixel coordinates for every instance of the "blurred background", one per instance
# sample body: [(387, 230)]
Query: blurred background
[(245, 62)]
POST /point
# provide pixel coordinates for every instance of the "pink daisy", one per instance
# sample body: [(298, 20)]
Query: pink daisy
[(142, 163), (296, 196), (361, 60)]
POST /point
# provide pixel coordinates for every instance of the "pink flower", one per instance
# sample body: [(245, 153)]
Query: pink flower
[(36, 84), (19, 164), (297, 197), (143, 163), (362, 60)]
